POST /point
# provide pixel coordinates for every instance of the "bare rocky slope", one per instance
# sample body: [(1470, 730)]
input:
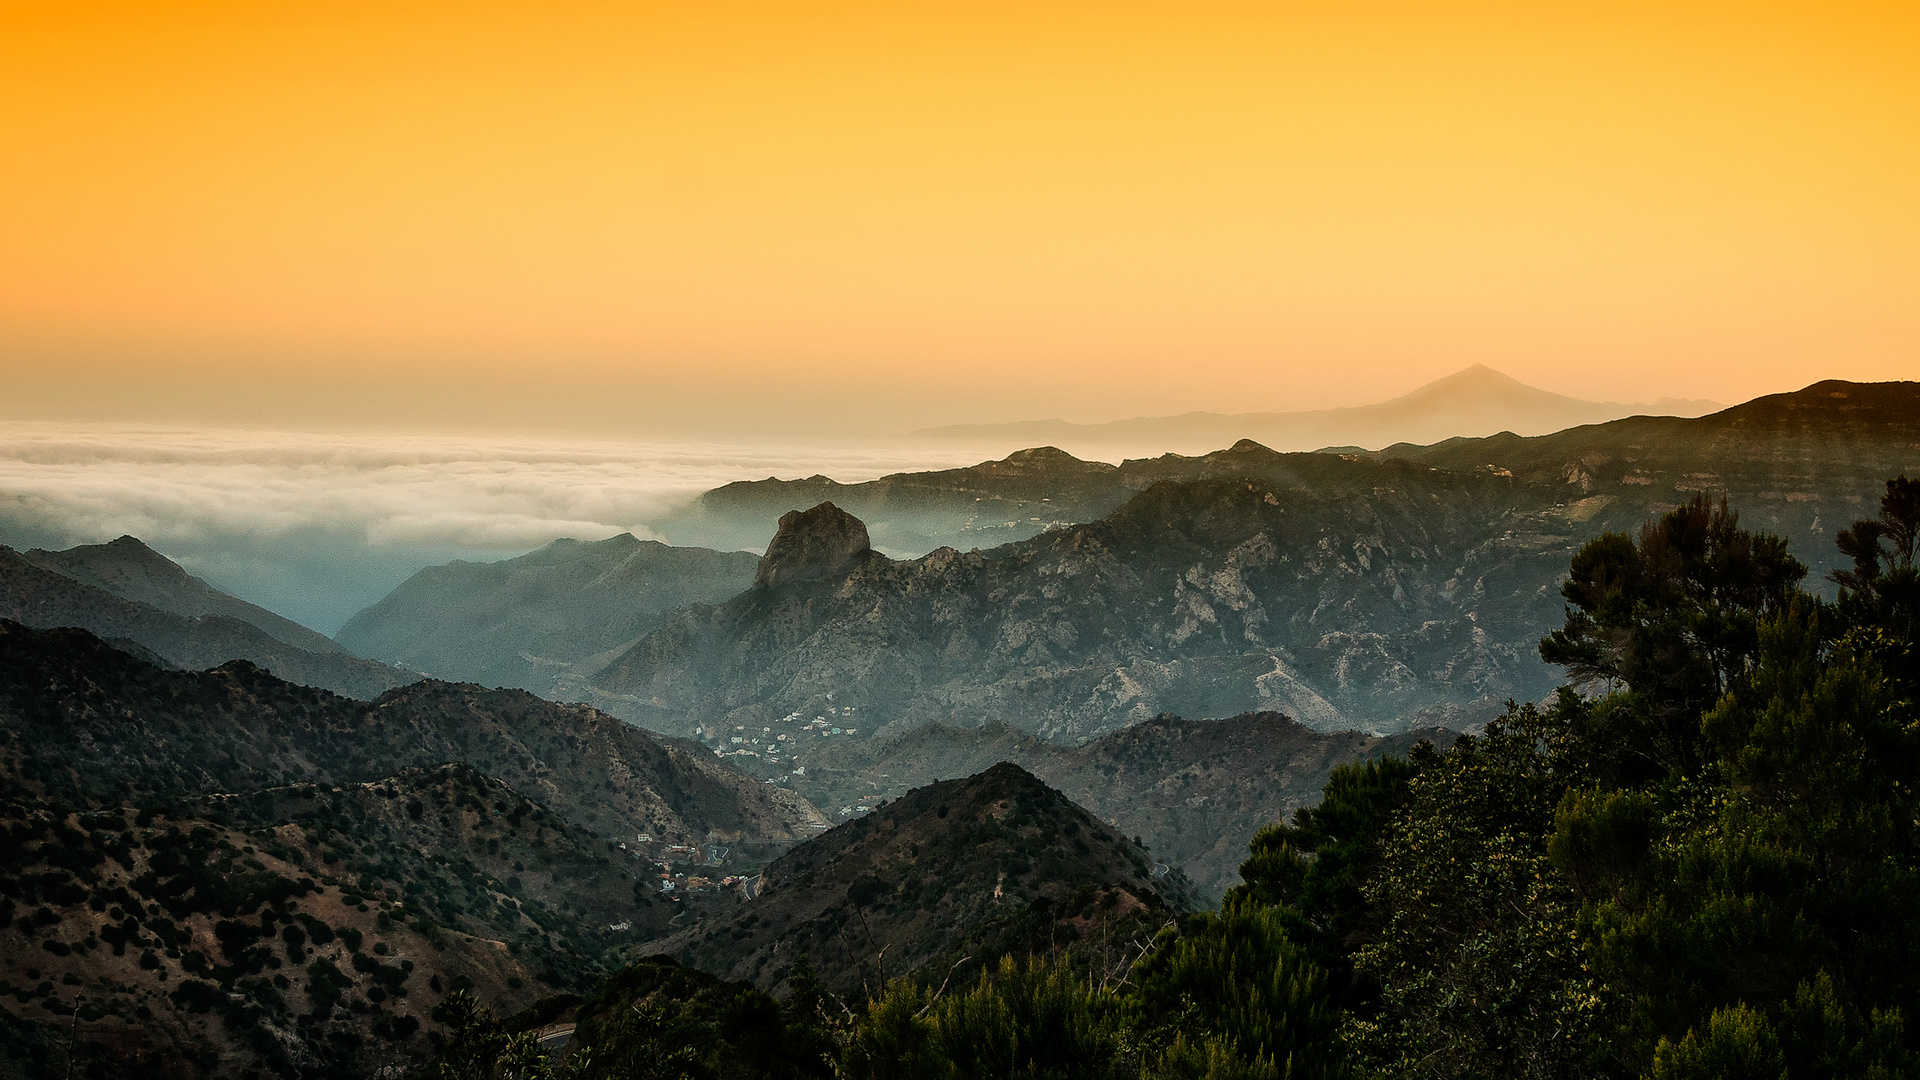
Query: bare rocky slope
[(1357, 594)]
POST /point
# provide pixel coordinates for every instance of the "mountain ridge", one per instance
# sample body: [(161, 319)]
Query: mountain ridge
[(131, 570), (529, 621), (125, 725), (35, 595), (1474, 401), (1204, 598), (1196, 790)]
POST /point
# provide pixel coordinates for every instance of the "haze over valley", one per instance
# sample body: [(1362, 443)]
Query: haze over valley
[(318, 526)]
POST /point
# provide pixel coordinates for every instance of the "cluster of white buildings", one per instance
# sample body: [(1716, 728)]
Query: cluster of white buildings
[(774, 745)]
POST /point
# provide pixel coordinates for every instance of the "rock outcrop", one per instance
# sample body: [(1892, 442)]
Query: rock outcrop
[(823, 542)]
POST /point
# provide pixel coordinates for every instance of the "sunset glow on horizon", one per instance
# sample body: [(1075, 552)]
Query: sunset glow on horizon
[(695, 217)]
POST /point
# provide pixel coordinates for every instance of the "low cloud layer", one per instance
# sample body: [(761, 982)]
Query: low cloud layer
[(318, 525)]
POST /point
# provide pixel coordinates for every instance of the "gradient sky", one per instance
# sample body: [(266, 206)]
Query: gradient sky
[(717, 217)]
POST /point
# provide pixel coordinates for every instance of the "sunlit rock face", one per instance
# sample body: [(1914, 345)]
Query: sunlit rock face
[(823, 542)]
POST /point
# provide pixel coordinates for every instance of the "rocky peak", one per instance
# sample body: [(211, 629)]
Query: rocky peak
[(125, 567), (1042, 457), (816, 543), (1042, 461), (132, 552)]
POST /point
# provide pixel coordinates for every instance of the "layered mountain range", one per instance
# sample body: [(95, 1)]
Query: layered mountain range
[(1828, 446), (532, 621), (131, 594), (217, 873), (1475, 401), (234, 868), (1194, 791), (1348, 593), (1378, 591)]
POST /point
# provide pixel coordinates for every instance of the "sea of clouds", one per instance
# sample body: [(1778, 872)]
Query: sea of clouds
[(317, 526)]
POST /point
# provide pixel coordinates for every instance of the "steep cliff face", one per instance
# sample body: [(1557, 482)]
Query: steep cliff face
[(823, 542), (1400, 596)]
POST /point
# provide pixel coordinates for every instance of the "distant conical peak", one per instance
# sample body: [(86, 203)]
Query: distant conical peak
[(822, 542)]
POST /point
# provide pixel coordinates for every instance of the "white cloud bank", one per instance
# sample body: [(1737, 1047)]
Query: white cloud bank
[(250, 506), (94, 482)]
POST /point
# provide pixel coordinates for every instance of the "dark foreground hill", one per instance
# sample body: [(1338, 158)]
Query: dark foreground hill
[(103, 726), (998, 861), (527, 622), (36, 591), (225, 872), (302, 931)]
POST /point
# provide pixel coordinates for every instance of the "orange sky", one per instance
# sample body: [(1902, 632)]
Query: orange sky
[(702, 215)]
